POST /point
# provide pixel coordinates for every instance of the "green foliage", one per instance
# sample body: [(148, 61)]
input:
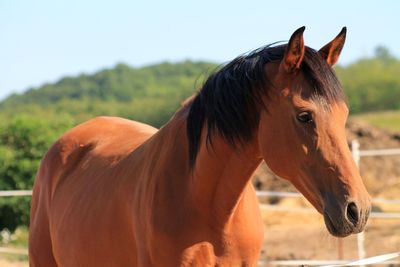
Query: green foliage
[(372, 84), (23, 142), (389, 120), (383, 53), (150, 94)]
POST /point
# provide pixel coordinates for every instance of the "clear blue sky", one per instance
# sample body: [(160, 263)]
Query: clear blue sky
[(41, 41)]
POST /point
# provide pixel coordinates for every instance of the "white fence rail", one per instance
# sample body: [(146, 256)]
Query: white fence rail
[(15, 193), (385, 259), (15, 251), (298, 195), (382, 215), (357, 154)]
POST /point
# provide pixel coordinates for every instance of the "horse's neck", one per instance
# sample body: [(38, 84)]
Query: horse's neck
[(221, 177), (216, 184)]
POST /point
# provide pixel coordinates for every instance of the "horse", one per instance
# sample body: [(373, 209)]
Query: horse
[(115, 192)]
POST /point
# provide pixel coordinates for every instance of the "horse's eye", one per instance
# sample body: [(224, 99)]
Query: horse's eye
[(305, 117)]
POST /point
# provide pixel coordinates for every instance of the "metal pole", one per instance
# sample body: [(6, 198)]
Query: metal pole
[(355, 151)]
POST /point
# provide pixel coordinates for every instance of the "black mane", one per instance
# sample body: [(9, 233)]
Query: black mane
[(230, 98)]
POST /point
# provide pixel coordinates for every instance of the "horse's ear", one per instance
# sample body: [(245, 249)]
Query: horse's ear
[(331, 51), (294, 53)]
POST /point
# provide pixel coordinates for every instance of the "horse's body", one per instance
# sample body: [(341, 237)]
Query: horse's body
[(110, 206), (113, 192)]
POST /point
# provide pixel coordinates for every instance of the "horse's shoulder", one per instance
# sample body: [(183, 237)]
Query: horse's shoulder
[(101, 137)]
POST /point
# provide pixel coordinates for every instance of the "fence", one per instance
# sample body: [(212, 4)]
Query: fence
[(339, 262), (357, 154)]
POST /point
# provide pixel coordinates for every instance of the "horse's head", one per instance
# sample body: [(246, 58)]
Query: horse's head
[(302, 133)]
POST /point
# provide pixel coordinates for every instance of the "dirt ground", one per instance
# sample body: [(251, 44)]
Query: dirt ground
[(304, 236), (11, 263)]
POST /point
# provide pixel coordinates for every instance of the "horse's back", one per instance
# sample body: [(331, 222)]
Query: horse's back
[(86, 159), (101, 139)]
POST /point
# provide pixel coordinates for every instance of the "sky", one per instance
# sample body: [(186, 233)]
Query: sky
[(44, 40)]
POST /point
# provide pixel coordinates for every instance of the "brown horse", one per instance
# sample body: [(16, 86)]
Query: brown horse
[(113, 192)]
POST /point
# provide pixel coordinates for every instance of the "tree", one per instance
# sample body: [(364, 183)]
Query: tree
[(23, 142), (382, 53)]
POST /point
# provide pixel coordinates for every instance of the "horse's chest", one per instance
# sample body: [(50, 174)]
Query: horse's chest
[(204, 241), (203, 248), (207, 254)]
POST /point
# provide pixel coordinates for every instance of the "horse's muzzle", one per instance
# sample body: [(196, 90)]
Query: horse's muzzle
[(343, 220)]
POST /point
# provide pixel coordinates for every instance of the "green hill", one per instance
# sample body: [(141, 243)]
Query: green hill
[(372, 84), (150, 94)]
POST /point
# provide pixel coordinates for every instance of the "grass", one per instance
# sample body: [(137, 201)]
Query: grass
[(389, 120)]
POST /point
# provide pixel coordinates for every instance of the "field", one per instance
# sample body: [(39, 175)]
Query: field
[(389, 120)]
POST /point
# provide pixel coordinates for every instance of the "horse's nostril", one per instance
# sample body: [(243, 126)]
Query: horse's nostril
[(352, 213)]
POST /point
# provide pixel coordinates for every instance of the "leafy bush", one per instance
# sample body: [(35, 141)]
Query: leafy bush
[(23, 142)]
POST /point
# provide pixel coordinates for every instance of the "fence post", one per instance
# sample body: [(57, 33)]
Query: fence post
[(340, 248), (355, 151)]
